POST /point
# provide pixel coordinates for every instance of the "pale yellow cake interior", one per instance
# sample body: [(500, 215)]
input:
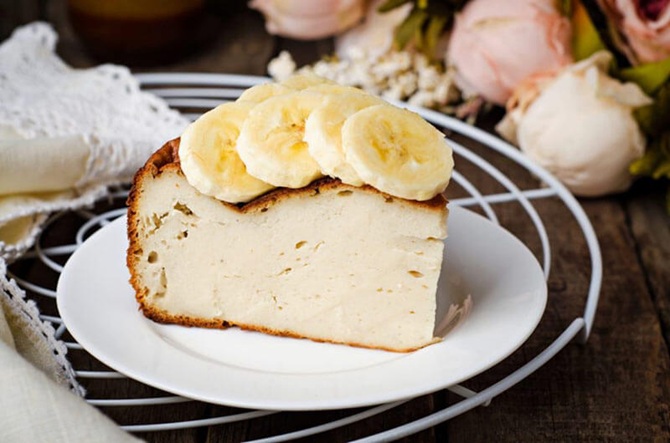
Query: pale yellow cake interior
[(348, 265)]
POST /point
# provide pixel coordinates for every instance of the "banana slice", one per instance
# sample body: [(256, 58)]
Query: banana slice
[(209, 159), (271, 141), (335, 89), (323, 130), (397, 152), (262, 92), (305, 80)]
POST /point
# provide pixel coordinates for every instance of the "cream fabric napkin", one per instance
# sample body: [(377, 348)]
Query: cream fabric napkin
[(38, 392), (34, 409), (38, 176), (66, 135)]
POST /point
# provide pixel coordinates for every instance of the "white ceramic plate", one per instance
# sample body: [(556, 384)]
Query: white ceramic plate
[(253, 370)]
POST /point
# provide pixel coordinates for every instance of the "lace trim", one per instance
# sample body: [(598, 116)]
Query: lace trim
[(44, 331)]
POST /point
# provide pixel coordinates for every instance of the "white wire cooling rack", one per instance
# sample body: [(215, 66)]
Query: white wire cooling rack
[(496, 175)]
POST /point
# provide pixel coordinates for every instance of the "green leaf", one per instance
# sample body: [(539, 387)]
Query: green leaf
[(442, 8), (585, 37), (662, 171), (389, 5), (604, 28), (564, 7), (655, 162), (650, 77), (425, 23), (645, 165), (433, 33), (654, 119), (410, 27)]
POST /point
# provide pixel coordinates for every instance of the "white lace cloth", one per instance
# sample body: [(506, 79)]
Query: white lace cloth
[(66, 135)]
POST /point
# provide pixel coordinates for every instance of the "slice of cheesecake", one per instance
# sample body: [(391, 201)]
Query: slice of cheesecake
[(328, 262)]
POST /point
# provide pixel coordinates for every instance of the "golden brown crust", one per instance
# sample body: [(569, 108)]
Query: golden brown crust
[(167, 159), (160, 159)]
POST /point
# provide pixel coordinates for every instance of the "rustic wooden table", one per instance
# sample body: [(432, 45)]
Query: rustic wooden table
[(616, 387)]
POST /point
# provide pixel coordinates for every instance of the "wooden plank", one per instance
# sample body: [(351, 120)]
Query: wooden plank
[(612, 388), (650, 226)]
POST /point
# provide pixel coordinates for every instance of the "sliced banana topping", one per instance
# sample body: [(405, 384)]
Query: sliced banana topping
[(306, 80), (289, 134), (397, 152), (209, 159), (272, 144), (330, 89), (323, 132), (264, 91)]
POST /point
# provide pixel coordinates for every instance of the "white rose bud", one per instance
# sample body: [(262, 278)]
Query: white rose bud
[(373, 37), (579, 125)]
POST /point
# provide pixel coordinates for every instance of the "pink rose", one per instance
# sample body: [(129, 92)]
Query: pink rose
[(646, 26), (497, 44), (309, 19)]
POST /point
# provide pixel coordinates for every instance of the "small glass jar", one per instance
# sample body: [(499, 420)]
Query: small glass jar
[(138, 32)]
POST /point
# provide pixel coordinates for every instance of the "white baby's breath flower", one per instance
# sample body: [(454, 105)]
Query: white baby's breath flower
[(394, 75), (420, 61), (392, 93), (362, 76), (385, 68), (429, 78), (402, 59), (356, 53), (406, 82), (282, 66), (422, 98), (325, 69), (446, 91)]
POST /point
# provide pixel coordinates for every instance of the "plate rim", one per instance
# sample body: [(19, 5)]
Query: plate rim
[(399, 394)]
